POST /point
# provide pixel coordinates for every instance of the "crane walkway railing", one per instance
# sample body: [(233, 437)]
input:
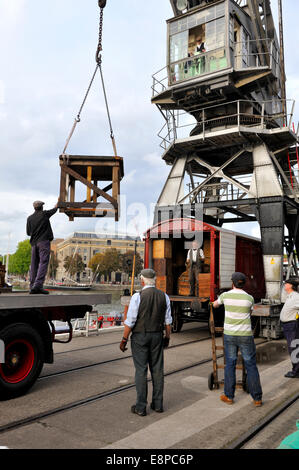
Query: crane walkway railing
[(252, 114)]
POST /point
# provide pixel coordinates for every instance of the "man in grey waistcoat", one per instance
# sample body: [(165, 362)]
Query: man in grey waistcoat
[(149, 311)]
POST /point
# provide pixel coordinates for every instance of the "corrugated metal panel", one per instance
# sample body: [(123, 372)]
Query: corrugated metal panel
[(227, 259)]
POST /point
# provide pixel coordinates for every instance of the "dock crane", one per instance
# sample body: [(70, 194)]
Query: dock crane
[(229, 129)]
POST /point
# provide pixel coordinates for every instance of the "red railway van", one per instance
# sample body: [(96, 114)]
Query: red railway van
[(166, 248)]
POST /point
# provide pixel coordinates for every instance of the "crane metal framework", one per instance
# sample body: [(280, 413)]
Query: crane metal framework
[(228, 127)]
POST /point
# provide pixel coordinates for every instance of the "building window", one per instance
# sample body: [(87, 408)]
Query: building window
[(197, 44)]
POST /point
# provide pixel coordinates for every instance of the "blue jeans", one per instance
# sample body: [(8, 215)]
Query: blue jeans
[(248, 351), (40, 256)]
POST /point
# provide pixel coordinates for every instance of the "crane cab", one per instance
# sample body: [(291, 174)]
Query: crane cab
[(215, 50)]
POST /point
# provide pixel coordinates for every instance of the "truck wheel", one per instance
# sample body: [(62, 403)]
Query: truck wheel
[(24, 359)]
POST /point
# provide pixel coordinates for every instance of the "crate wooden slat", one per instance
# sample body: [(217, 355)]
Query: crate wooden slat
[(204, 284), (91, 171), (162, 249)]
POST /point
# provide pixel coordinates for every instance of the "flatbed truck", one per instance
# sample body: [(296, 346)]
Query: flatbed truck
[(27, 334)]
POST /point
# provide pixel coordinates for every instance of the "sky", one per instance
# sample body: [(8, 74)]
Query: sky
[(46, 62)]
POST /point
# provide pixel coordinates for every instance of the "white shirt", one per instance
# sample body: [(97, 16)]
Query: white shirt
[(290, 308), (192, 254), (134, 307)]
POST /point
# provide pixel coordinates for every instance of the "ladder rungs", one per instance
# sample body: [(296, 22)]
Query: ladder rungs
[(219, 348)]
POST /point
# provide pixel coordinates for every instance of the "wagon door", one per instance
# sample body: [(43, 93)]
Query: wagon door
[(227, 261)]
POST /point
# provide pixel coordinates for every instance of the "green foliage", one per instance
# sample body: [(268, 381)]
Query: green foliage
[(106, 262), (127, 262), (19, 262), (74, 264)]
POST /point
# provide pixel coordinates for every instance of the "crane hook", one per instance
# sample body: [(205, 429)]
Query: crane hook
[(102, 3)]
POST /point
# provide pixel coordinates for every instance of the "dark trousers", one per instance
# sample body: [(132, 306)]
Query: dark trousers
[(40, 256), (289, 331), (147, 350), (193, 276)]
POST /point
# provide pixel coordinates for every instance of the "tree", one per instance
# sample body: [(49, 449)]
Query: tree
[(74, 264), (96, 262), (53, 265), (127, 262), (107, 262), (19, 262)]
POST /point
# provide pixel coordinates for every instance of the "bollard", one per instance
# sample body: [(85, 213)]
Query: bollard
[(291, 441)]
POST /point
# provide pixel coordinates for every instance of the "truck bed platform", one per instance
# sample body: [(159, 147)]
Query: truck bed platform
[(186, 298), (23, 300)]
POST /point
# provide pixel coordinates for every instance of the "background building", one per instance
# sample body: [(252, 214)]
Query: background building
[(88, 244)]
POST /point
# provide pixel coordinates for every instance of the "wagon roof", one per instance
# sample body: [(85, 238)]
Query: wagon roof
[(189, 225)]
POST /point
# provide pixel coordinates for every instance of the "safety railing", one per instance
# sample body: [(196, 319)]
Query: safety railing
[(222, 191), (246, 54), (256, 53), (263, 115)]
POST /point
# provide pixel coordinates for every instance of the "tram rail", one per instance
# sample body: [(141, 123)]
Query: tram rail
[(266, 421), (97, 397)]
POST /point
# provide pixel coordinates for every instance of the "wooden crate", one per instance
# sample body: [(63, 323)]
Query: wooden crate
[(184, 284), (162, 249), (163, 267), (204, 283), (165, 283), (207, 253)]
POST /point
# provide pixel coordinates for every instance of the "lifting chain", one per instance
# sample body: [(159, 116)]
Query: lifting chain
[(102, 4), (100, 48)]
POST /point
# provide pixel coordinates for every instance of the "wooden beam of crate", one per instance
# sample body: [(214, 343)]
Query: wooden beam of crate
[(66, 170)]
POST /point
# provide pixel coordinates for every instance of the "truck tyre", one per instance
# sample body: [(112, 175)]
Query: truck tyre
[(24, 359)]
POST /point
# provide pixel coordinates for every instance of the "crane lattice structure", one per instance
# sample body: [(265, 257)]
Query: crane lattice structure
[(229, 129)]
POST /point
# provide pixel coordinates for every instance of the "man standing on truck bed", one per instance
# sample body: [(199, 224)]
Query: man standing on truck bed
[(41, 234), (238, 335), (148, 311), (194, 264)]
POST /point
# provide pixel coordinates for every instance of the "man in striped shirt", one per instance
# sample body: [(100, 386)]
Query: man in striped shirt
[(238, 335)]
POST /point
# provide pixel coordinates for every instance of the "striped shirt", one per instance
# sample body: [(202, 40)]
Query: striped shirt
[(238, 306)]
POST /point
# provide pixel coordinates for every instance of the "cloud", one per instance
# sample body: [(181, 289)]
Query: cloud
[(10, 14)]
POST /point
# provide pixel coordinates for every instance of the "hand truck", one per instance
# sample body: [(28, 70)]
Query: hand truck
[(213, 381)]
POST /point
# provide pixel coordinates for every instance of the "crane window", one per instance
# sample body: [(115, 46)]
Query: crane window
[(197, 44)]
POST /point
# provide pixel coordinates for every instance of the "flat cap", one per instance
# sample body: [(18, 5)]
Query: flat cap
[(148, 273), (238, 278), (294, 281), (38, 204)]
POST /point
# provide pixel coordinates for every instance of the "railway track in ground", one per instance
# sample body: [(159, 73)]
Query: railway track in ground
[(97, 397), (106, 344), (80, 368), (242, 441)]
